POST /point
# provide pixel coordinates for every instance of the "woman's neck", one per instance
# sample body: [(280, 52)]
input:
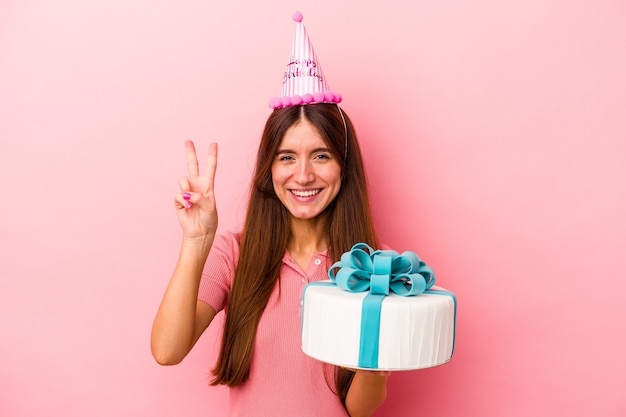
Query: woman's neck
[(308, 237)]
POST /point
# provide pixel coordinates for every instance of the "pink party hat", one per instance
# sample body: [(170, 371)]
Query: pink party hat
[(303, 82)]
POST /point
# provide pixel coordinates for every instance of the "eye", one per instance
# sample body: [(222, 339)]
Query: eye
[(322, 156), (285, 157)]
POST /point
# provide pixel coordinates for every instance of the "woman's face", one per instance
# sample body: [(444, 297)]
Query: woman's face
[(305, 174)]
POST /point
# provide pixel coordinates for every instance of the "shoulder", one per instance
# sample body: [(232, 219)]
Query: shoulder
[(225, 247), (219, 269), (223, 258), (231, 237)]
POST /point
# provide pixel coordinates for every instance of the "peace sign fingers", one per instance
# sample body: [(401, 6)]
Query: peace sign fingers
[(195, 203)]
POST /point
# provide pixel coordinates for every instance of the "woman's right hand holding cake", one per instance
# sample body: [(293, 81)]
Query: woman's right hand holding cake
[(367, 392)]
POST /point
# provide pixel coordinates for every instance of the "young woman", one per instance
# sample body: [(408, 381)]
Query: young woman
[(308, 204)]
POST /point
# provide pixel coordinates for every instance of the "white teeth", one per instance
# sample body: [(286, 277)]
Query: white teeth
[(305, 193)]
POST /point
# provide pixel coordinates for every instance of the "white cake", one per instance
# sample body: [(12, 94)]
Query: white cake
[(415, 331)]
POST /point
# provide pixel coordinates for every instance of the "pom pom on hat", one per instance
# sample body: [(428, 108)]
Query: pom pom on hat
[(318, 97), (274, 102), (303, 80)]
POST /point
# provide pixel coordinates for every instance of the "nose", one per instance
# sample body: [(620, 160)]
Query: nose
[(304, 172)]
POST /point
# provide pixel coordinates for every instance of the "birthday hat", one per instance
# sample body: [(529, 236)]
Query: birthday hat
[(303, 82)]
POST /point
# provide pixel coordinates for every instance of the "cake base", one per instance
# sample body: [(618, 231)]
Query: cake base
[(415, 332)]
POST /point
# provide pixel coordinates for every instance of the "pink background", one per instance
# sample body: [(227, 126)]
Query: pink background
[(494, 135)]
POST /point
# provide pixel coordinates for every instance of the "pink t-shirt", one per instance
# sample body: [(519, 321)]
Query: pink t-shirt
[(283, 380)]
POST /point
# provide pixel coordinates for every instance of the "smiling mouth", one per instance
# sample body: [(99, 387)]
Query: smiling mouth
[(308, 193)]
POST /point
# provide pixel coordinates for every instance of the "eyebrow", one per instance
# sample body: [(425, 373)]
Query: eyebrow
[(313, 151)]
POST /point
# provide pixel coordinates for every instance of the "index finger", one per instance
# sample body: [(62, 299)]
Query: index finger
[(192, 159)]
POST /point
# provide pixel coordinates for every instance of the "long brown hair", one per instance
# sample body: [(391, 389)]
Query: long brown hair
[(267, 220)]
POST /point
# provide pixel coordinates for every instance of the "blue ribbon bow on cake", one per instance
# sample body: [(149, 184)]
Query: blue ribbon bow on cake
[(363, 268)]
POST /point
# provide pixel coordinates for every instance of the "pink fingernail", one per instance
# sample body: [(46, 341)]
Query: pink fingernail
[(187, 197), (188, 205)]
